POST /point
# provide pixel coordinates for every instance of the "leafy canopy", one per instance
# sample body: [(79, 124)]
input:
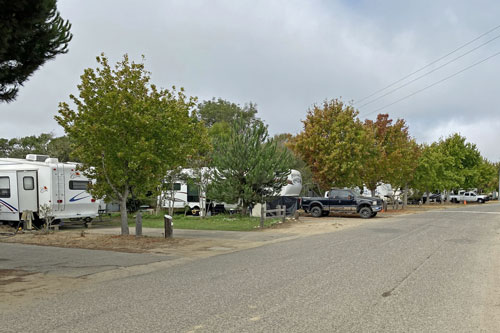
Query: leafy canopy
[(333, 144), (392, 155), (222, 111), (126, 132)]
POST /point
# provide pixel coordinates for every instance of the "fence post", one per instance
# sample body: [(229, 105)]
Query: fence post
[(138, 224), (283, 212), (167, 219), (262, 215)]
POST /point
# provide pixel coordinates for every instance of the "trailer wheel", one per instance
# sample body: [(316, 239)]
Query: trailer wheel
[(316, 211)]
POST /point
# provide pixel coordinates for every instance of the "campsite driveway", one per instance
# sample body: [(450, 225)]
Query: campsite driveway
[(435, 271)]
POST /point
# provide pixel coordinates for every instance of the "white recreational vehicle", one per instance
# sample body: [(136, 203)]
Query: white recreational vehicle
[(27, 184), (187, 195)]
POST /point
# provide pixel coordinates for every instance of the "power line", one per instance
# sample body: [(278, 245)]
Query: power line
[(432, 85), (430, 64), (430, 72)]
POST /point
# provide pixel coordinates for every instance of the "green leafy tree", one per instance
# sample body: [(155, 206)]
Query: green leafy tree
[(487, 176), (392, 157), (4, 147), (126, 132), (333, 143), (31, 32), (222, 111), (429, 168), (466, 160), (248, 167), (61, 148)]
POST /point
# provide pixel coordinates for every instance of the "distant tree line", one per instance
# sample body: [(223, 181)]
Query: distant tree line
[(43, 144)]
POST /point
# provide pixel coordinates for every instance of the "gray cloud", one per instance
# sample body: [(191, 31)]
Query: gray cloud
[(285, 56)]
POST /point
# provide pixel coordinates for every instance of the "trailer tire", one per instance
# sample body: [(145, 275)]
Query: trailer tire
[(316, 211)]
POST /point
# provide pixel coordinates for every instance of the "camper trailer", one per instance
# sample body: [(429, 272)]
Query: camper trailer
[(186, 194), (38, 181)]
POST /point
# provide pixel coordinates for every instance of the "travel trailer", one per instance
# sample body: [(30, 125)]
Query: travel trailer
[(27, 185), (186, 194)]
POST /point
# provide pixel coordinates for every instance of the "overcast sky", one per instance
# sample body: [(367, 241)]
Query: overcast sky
[(286, 56)]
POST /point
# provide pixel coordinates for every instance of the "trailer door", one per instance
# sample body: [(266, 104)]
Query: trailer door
[(27, 184)]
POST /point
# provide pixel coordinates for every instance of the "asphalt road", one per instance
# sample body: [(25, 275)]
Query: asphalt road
[(69, 262), (430, 272)]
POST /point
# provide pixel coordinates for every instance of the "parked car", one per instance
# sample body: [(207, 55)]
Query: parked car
[(341, 201), (433, 197)]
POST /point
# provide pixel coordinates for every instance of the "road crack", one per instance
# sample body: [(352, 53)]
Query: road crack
[(389, 292)]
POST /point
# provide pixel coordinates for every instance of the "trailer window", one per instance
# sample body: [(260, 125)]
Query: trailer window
[(192, 193), (28, 183), (177, 186), (4, 187), (78, 185)]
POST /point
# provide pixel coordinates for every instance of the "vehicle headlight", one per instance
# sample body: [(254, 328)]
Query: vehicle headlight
[(374, 203)]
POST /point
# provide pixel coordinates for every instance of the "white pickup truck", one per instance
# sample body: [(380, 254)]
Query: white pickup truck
[(468, 197)]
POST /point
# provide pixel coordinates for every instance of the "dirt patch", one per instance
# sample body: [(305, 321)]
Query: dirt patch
[(8, 276), (83, 240), (18, 287)]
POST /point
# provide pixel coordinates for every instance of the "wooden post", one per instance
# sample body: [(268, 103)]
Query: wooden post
[(167, 219), (283, 212), (262, 215), (138, 224)]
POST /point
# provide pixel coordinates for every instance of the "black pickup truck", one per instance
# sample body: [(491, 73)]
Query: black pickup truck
[(342, 201)]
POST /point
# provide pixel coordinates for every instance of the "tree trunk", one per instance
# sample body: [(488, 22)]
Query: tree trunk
[(202, 200), (427, 194), (123, 213), (373, 192), (171, 201), (244, 209), (405, 196)]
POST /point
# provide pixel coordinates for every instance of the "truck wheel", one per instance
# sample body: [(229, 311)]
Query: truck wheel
[(316, 211), (480, 200), (195, 211), (365, 212)]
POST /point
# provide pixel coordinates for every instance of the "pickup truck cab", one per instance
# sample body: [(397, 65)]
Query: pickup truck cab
[(470, 196), (341, 201)]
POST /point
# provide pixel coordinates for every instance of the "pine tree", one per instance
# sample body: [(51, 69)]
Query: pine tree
[(248, 166), (31, 32)]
